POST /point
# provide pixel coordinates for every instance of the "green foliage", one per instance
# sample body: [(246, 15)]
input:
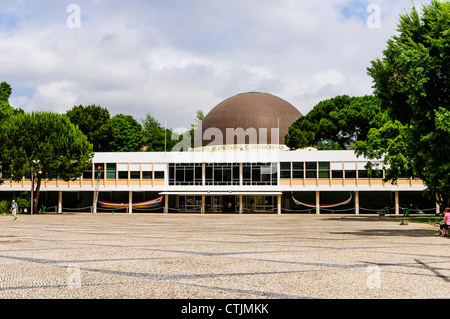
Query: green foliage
[(24, 200), (5, 91), (50, 139), (127, 134), (95, 122), (155, 137), (45, 141), (413, 84), (336, 123), (5, 206), (196, 125), (5, 109)]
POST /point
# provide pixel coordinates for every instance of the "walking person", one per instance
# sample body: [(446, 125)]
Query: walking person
[(14, 208)]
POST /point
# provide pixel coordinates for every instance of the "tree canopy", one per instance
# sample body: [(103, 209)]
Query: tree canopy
[(127, 134), (412, 81), (341, 120), (95, 122), (45, 141)]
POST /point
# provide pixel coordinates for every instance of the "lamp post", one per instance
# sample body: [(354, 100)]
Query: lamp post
[(39, 171)]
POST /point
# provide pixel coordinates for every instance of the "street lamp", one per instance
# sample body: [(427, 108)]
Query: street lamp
[(39, 171)]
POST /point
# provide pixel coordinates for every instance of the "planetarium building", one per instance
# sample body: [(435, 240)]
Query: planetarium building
[(239, 164)]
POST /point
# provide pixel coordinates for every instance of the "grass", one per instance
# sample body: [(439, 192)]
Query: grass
[(425, 219)]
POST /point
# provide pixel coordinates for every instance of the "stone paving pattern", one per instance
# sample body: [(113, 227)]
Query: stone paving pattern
[(174, 256)]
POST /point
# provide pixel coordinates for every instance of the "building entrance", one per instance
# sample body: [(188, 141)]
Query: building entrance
[(221, 204), (227, 203)]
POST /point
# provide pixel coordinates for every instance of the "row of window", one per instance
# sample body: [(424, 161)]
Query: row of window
[(223, 174), (112, 172), (301, 170), (228, 173)]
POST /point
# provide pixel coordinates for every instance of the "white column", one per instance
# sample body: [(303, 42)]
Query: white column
[(279, 204), (94, 204), (240, 204), (60, 202), (356, 202), (203, 204), (317, 202), (397, 203), (166, 204), (203, 174), (130, 202), (241, 174)]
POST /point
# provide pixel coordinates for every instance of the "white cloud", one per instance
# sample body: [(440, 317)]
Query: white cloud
[(171, 58)]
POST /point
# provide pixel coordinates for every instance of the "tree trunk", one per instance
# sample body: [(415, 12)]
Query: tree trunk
[(37, 192)]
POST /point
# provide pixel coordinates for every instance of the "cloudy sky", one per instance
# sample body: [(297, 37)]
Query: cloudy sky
[(171, 58)]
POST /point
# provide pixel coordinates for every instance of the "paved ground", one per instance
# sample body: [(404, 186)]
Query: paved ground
[(220, 256)]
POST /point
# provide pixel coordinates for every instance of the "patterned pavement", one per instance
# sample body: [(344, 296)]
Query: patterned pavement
[(193, 256)]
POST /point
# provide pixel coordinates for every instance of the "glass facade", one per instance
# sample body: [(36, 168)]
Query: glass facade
[(185, 174), (260, 174), (223, 174)]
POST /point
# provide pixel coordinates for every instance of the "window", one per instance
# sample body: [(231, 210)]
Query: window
[(324, 169), (123, 175), (159, 174), (135, 171), (350, 174), (122, 171), (337, 174), (110, 171), (337, 170), (86, 175), (147, 174), (297, 170), (260, 174), (285, 170), (222, 174), (135, 174), (311, 169), (363, 174), (183, 174)]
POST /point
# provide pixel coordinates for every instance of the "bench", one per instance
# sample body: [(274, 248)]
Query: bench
[(404, 221)]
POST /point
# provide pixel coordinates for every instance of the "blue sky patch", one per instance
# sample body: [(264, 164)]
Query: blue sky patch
[(355, 9)]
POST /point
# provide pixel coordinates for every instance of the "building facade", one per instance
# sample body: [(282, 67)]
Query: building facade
[(263, 181), (238, 165)]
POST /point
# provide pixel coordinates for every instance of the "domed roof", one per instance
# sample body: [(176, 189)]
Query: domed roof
[(249, 112)]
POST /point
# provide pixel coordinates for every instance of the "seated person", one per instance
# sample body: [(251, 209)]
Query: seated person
[(445, 222)]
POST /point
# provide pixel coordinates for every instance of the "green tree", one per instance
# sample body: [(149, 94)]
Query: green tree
[(95, 122), (127, 134), (5, 109), (45, 141), (336, 122), (155, 137), (5, 91), (412, 81), (199, 117)]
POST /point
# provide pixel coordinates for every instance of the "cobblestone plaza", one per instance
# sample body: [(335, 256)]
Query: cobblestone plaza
[(218, 256)]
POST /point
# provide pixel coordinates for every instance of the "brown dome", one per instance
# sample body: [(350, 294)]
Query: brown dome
[(250, 110)]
